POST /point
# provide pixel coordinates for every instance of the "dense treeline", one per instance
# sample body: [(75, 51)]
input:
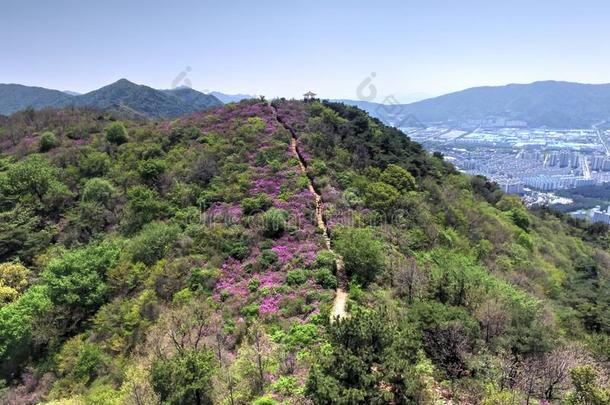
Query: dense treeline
[(180, 263)]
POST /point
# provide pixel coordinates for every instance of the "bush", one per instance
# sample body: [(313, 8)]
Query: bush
[(116, 133), (318, 168), (265, 401), (296, 277), (326, 279), (80, 362), (47, 141), (203, 279), (275, 222), (143, 206), (267, 259), (362, 253), (259, 203), (153, 243), (99, 190), (94, 164), (325, 259), (520, 218), (151, 170)]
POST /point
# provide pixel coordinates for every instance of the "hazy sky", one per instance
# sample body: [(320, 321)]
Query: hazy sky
[(286, 47)]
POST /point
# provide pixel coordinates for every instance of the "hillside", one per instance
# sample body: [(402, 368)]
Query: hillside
[(200, 260), (15, 97), (123, 97), (549, 103)]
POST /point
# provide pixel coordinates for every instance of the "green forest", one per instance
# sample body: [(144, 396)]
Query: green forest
[(196, 261)]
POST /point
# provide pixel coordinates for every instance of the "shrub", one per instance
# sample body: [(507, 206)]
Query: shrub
[(275, 222), (98, 190), (253, 285), (143, 206), (286, 385), (151, 170), (520, 218), (259, 203), (362, 253), (267, 259), (318, 168), (296, 277), (203, 279), (153, 243), (325, 258), (80, 362), (47, 141), (265, 401), (326, 279), (116, 133), (94, 164), (587, 389)]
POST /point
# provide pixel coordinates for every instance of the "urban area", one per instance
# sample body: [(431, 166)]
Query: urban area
[(540, 165)]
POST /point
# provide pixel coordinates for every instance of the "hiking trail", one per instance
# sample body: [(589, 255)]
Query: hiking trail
[(338, 310)]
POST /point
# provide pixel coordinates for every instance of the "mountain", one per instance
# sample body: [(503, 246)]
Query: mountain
[(123, 96), (388, 113), (15, 97), (196, 99), (548, 103), (231, 98), (282, 252)]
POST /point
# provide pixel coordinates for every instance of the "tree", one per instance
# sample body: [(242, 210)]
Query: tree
[(408, 278), (153, 242), (13, 281), (33, 182), (370, 359), (587, 391), (143, 206), (99, 190), (449, 335), (16, 328), (76, 279), (185, 378), (381, 196), (361, 252), (116, 133), (398, 177)]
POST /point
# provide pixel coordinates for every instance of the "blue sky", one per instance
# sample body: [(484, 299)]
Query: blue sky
[(286, 47)]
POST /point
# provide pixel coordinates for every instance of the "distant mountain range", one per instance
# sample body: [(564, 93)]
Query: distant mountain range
[(231, 98), (122, 96), (550, 103)]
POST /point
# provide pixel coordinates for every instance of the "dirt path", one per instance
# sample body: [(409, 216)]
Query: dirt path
[(338, 310)]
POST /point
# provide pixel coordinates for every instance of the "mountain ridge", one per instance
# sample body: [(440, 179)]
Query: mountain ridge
[(123, 95), (551, 103)]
